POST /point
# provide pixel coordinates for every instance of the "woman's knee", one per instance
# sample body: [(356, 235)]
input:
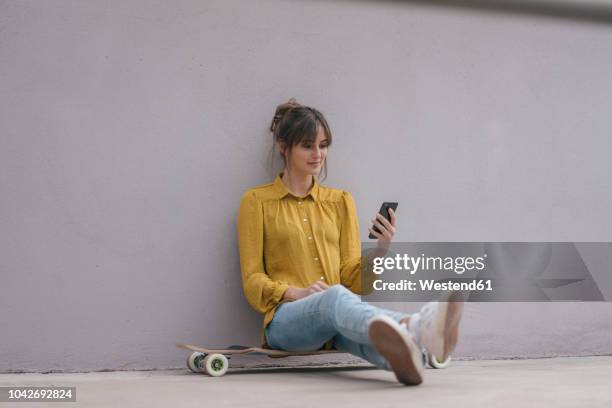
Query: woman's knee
[(336, 291), (333, 295)]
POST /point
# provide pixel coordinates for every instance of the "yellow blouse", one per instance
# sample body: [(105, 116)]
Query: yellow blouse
[(287, 241)]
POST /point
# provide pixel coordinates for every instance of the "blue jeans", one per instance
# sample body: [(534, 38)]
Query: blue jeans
[(308, 323)]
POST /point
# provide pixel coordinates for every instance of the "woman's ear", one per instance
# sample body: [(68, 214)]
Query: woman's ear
[(282, 147)]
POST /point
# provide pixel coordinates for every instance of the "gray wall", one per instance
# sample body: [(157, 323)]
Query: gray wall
[(130, 129)]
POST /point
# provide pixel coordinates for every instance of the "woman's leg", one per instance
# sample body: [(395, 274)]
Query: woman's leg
[(306, 324)]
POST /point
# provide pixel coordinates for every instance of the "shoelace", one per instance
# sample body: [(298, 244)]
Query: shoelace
[(422, 320), (426, 313)]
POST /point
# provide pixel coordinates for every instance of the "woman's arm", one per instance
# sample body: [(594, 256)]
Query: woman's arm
[(354, 268), (350, 245), (294, 293), (260, 290)]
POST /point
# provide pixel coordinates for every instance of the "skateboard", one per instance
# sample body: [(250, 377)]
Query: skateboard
[(215, 362)]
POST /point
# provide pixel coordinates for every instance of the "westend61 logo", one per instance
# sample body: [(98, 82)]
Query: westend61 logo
[(414, 264), (485, 271)]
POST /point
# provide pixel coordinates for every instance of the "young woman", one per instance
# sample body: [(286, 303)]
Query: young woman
[(301, 262)]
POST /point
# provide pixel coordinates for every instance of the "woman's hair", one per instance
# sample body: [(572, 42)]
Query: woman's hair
[(293, 123)]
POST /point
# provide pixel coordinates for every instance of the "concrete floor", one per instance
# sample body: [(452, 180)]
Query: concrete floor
[(552, 382)]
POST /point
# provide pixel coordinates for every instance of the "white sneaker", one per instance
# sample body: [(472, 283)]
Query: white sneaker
[(435, 326), (395, 344)]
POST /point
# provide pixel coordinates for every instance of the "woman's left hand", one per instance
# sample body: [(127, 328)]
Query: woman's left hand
[(387, 229)]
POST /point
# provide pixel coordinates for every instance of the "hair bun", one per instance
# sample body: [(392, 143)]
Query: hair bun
[(294, 103), (281, 110)]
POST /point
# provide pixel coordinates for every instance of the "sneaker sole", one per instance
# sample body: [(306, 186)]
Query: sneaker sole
[(392, 342)]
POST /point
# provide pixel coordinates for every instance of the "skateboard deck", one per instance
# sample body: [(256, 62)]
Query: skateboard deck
[(215, 362), (252, 350)]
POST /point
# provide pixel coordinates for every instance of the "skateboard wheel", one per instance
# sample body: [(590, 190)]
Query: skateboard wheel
[(215, 364), (195, 362), (434, 363)]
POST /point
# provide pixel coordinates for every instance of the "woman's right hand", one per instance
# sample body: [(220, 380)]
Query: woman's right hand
[(299, 293)]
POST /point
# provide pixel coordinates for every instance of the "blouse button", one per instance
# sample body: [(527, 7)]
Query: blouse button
[(299, 202), (309, 237), (305, 220), (316, 259)]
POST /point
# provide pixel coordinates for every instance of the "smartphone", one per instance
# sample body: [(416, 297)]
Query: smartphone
[(384, 211)]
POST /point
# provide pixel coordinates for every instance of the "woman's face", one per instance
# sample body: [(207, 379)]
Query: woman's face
[(308, 158)]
